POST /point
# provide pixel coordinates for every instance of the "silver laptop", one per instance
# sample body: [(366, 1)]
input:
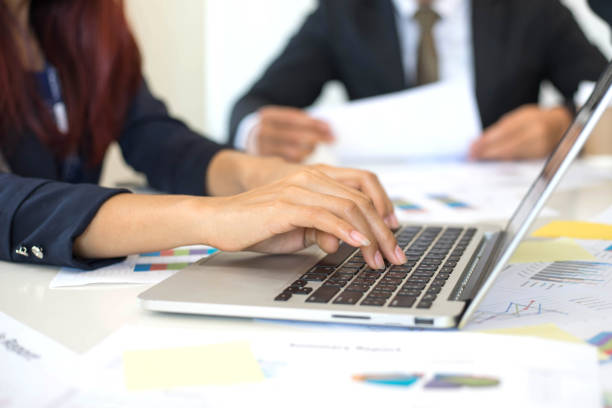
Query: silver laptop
[(449, 271)]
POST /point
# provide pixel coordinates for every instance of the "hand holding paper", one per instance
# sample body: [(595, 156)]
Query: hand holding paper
[(433, 121)]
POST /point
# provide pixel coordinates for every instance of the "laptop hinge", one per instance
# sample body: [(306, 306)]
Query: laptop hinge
[(478, 268)]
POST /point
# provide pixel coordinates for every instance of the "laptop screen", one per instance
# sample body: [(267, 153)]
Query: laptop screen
[(558, 162), (552, 172)]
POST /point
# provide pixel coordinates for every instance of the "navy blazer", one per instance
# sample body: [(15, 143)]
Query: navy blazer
[(40, 215), (517, 44)]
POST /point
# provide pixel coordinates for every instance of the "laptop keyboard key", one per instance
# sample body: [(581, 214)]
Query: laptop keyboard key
[(385, 287), (348, 298), (380, 294), (314, 277), (429, 296), (405, 292), (373, 301), (402, 301), (323, 295), (299, 290), (337, 257), (283, 297), (358, 287), (336, 282), (322, 269), (424, 304)]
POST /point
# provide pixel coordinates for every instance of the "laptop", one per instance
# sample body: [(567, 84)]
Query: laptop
[(450, 268)]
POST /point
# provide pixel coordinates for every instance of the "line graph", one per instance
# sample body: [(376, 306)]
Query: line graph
[(514, 310)]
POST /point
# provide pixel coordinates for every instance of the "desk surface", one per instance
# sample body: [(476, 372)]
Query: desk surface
[(80, 318)]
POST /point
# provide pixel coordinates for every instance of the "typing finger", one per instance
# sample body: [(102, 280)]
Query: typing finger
[(319, 182)]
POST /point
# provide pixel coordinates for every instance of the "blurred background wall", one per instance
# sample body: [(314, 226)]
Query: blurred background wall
[(200, 55)]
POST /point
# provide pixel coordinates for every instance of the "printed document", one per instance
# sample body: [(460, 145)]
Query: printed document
[(433, 121)]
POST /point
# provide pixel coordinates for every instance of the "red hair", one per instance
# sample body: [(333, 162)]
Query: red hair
[(98, 62)]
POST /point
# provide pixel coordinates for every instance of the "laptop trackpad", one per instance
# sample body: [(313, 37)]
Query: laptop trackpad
[(262, 263), (249, 270), (238, 277)]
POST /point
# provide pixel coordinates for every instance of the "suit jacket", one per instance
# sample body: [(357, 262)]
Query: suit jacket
[(38, 209), (517, 44)]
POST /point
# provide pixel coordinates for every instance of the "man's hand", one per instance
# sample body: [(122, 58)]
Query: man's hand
[(289, 133), (527, 132)]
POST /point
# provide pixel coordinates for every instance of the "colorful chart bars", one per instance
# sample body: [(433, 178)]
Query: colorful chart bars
[(182, 252), (459, 381), (398, 380), (449, 201), (407, 205), (160, 267), (603, 341), (568, 272)]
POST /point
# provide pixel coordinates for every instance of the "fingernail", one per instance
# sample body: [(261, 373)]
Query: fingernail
[(359, 237), (378, 260), (399, 254)]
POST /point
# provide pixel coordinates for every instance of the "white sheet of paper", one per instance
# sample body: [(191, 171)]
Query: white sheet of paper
[(438, 120), (605, 217), (490, 191), (530, 370), (124, 272), (35, 369), (522, 296)]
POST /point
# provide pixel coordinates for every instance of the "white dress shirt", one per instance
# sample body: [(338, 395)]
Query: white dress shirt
[(453, 38)]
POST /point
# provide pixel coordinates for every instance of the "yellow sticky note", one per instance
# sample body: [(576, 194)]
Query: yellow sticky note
[(217, 364), (562, 249), (575, 229), (548, 331)]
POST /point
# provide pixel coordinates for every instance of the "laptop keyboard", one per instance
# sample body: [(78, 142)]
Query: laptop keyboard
[(345, 278)]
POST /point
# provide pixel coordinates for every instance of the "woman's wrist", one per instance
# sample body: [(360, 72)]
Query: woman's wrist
[(134, 223), (231, 172), (223, 176)]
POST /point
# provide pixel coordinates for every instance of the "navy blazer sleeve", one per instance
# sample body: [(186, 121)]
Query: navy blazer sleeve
[(173, 157), (48, 215), (297, 76)]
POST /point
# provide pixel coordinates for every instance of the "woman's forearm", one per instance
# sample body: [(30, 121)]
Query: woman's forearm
[(133, 223), (305, 208)]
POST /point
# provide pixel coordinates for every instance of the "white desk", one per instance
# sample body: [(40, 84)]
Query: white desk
[(80, 318)]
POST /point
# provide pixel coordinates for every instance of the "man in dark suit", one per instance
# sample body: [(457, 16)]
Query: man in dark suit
[(507, 48)]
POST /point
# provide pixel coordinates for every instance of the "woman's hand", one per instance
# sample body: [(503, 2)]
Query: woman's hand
[(314, 205), (298, 207), (232, 173)]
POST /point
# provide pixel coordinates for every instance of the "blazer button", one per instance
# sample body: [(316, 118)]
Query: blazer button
[(38, 252), (23, 251)]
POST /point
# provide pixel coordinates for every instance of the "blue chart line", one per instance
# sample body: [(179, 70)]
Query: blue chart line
[(514, 310), (518, 308)]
